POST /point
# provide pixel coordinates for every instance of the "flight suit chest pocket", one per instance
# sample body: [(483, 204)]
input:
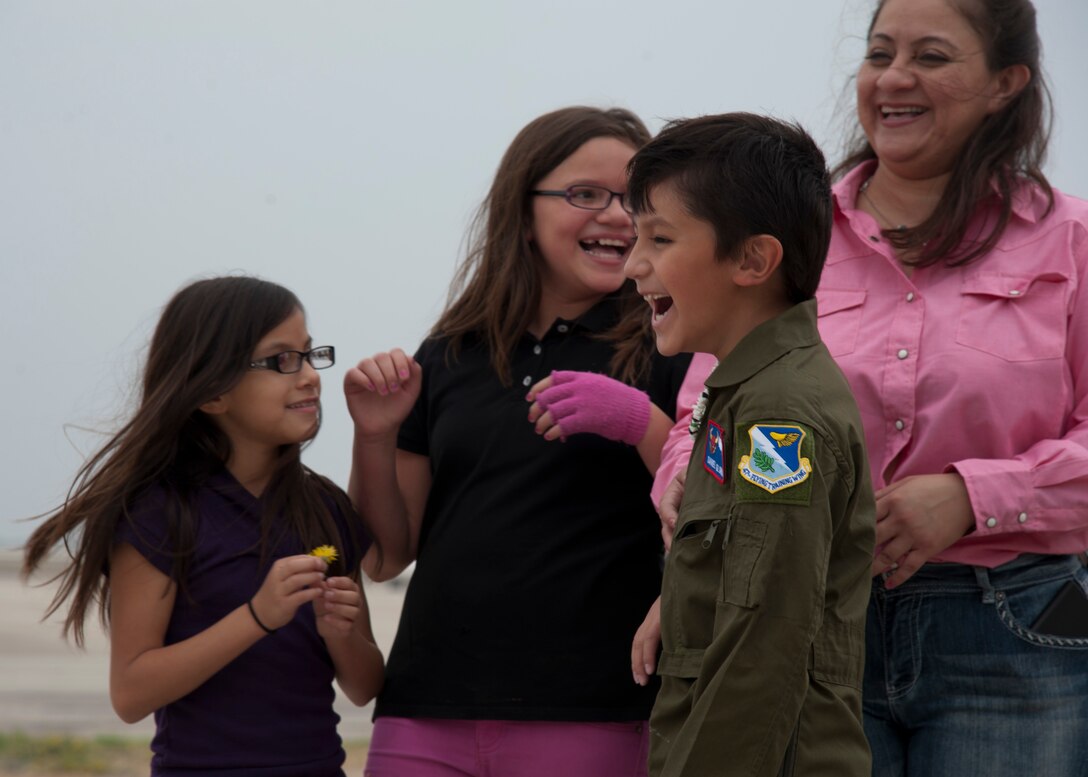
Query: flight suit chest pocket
[(693, 581), (712, 562)]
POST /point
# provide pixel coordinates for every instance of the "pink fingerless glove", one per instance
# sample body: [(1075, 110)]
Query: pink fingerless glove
[(588, 402)]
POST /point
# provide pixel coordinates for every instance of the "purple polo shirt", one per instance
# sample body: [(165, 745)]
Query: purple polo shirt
[(269, 712)]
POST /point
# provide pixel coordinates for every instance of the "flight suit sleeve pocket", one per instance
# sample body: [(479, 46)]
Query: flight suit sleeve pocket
[(682, 662), (743, 547), (838, 654)]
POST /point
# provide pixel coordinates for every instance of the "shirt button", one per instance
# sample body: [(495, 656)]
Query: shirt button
[(562, 327), (528, 381), (1022, 518), (991, 522), (903, 353), (1014, 292), (899, 424), (537, 349), (910, 296)]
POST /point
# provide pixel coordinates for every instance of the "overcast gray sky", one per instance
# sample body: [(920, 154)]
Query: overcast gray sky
[(338, 148)]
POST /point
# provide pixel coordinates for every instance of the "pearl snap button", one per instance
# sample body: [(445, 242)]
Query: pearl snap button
[(991, 522), (910, 296), (1014, 292), (899, 424), (903, 353), (1022, 518)]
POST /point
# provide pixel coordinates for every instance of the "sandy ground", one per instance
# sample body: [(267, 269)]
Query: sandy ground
[(50, 686)]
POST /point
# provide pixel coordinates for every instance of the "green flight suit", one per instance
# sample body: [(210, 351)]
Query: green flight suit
[(767, 582)]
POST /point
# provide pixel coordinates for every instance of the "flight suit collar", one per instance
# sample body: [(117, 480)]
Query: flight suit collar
[(796, 328)]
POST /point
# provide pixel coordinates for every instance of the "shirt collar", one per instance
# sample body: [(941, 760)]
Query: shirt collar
[(599, 318), (768, 342)]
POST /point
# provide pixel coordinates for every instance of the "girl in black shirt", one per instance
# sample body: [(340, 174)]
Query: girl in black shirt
[(535, 560)]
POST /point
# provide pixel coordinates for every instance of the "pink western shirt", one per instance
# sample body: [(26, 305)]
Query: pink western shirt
[(981, 370)]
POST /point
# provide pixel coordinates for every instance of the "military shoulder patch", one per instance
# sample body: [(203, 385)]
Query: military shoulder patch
[(714, 455), (775, 464)]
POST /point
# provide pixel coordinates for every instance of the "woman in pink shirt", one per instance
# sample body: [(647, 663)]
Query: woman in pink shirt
[(955, 299)]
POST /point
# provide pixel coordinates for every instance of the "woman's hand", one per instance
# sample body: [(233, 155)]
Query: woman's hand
[(337, 608), (567, 403), (644, 647), (381, 391), (290, 583), (916, 519)]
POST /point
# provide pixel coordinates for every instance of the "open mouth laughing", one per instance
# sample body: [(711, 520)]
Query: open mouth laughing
[(660, 304), (606, 247)]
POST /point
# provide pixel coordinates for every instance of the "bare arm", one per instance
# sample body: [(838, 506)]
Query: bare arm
[(145, 674), (389, 487)]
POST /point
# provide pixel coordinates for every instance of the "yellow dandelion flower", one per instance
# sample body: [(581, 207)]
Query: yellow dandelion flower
[(326, 552)]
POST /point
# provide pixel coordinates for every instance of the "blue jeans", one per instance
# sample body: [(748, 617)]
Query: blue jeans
[(957, 683)]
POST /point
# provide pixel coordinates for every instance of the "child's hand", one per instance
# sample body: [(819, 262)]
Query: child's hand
[(568, 403), (380, 392), (644, 646), (337, 608), (290, 583)]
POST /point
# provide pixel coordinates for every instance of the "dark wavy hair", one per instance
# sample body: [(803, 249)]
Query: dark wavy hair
[(1008, 148), (201, 348), (496, 290), (745, 175)]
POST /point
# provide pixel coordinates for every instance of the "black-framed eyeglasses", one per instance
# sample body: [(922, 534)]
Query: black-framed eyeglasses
[(288, 362), (585, 196)]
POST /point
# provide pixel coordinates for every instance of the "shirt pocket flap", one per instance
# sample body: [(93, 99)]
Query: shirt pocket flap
[(839, 313), (1017, 317), (830, 301), (1008, 285)]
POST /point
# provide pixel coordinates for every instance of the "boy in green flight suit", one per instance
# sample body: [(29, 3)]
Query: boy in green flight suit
[(766, 585)]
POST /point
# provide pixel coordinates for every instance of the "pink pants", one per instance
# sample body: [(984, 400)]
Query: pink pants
[(427, 747)]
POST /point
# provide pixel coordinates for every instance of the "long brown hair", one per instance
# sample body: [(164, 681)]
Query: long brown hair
[(201, 348), (496, 290), (1007, 149)]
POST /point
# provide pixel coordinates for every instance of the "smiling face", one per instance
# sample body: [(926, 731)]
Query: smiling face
[(267, 409), (676, 267), (925, 86), (583, 251)]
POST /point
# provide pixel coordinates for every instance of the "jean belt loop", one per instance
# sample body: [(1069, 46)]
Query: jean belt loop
[(982, 576)]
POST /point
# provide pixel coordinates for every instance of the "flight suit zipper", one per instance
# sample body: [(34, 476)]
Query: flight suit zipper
[(708, 540), (789, 761)]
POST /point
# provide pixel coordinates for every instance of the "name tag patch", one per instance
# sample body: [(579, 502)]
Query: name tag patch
[(714, 459), (778, 461)]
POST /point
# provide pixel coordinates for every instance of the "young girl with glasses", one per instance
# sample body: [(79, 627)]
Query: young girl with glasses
[(227, 570), (535, 560)]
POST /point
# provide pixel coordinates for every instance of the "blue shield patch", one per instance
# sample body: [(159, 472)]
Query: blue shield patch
[(714, 459), (775, 461)]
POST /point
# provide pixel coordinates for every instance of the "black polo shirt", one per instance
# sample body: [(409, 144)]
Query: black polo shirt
[(537, 560)]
